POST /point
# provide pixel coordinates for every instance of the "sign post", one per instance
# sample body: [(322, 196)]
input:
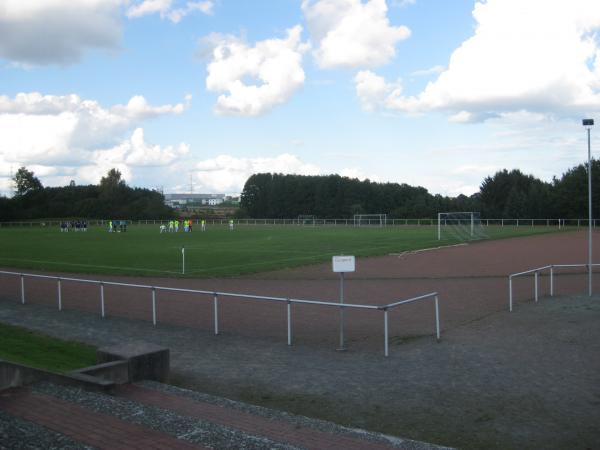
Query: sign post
[(343, 264)]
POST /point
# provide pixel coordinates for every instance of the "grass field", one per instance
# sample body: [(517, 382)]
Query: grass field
[(22, 346), (217, 252)]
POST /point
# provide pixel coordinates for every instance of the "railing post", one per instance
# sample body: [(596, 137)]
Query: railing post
[(385, 332), (22, 289), (510, 294), (102, 299), (289, 322), (154, 306), (216, 311), (551, 281), (59, 296), (536, 286), (437, 319)]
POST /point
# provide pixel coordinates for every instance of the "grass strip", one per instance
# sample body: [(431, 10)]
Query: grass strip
[(33, 349)]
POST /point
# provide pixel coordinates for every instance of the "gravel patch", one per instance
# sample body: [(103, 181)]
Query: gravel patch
[(186, 428), (18, 434), (300, 421)]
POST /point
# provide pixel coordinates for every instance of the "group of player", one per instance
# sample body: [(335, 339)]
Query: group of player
[(173, 226), (187, 225), (74, 225)]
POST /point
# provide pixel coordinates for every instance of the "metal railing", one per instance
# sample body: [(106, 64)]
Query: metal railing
[(215, 296), (536, 273), (385, 309)]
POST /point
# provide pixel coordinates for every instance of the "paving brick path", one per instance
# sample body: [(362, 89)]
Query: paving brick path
[(82, 425), (275, 430)]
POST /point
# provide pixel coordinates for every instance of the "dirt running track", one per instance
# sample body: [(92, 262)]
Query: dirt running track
[(471, 281)]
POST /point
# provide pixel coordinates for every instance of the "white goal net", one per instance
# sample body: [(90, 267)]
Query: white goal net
[(307, 219), (376, 220), (461, 226)]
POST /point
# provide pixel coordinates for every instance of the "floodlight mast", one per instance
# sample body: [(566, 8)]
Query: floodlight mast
[(589, 123)]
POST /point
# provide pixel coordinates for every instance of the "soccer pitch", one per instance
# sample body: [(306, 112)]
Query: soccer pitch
[(217, 252)]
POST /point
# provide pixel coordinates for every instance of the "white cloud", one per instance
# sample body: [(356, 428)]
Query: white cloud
[(149, 7), (403, 3), (351, 34), (177, 14), (35, 124), (372, 90), (136, 152), (42, 32), (353, 172), (70, 133), (227, 173), (166, 10), (274, 64), (427, 72), (534, 55)]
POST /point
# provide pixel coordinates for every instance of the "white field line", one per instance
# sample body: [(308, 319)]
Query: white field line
[(421, 250), (299, 258), (86, 265)]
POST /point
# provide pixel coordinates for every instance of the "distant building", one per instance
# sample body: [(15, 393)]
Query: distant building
[(190, 200)]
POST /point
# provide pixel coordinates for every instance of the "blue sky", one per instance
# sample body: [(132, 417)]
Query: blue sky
[(434, 93)]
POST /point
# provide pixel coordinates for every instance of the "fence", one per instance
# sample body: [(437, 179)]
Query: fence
[(216, 295), (536, 273), (330, 222)]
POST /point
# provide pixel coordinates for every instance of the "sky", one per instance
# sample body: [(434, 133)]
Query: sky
[(200, 94)]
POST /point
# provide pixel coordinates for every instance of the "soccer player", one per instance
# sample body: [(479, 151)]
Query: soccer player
[(110, 226), (230, 224), (203, 225)]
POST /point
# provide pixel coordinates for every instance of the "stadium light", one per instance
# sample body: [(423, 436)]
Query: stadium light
[(589, 123)]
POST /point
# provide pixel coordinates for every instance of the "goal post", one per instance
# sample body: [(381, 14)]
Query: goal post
[(462, 226), (361, 220), (307, 219)]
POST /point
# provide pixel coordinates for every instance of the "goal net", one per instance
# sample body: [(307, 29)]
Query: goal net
[(461, 226), (306, 219), (362, 220)]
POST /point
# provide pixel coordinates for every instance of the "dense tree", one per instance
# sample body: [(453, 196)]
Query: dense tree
[(111, 199), (333, 196), (25, 181), (112, 179)]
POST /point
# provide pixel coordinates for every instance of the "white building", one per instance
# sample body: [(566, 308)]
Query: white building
[(184, 200)]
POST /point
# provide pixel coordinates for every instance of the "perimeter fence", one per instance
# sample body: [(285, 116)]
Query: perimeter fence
[(216, 296), (551, 269), (559, 223)]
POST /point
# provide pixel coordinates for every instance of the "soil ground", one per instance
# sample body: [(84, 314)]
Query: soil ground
[(527, 379)]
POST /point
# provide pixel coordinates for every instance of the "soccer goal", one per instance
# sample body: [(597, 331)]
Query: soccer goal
[(307, 219), (464, 226), (361, 220)]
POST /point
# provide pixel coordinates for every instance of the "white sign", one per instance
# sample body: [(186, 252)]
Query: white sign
[(343, 263)]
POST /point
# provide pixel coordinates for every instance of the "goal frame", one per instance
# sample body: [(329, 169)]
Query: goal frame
[(382, 218), (304, 218), (471, 215)]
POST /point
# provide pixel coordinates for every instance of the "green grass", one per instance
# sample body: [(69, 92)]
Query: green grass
[(217, 252), (22, 346)]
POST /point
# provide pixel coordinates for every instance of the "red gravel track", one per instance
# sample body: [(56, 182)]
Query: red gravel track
[(471, 281)]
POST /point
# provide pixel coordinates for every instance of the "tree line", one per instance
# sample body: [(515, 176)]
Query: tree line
[(112, 198), (506, 194)]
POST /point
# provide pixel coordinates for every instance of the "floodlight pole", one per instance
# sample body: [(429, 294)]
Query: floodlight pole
[(588, 123)]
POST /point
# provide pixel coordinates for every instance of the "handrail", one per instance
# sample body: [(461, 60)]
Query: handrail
[(217, 294), (536, 272), (385, 309), (414, 299)]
